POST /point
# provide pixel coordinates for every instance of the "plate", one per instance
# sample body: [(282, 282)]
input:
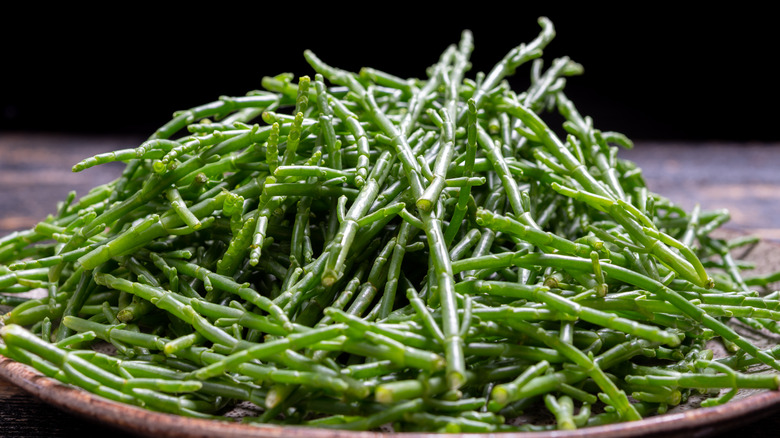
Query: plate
[(700, 422)]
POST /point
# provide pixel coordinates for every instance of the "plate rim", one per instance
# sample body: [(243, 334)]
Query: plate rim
[(139, 420)]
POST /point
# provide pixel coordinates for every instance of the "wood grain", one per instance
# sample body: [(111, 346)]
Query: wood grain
[(23, 416), (742, 178)]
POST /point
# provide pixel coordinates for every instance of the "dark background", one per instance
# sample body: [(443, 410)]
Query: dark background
[(653, 71)]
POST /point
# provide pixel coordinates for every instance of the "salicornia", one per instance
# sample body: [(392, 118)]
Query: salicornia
[(357, 250)]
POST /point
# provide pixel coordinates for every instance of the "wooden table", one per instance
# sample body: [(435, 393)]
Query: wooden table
[(35, 175)]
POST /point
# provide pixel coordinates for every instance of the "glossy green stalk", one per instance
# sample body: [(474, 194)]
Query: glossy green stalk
[(468, 168), (342, 242), (443, 159), (267, 349), (505, 393), (512, 60), (664, 293), (229, 285)]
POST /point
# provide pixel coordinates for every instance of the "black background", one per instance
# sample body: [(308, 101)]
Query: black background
[(654, 71)]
